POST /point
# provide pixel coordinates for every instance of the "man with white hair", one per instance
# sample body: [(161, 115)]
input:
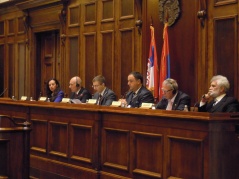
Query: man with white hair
[(220, 102)]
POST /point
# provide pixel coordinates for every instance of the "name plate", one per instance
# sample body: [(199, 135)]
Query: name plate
[(116, 103), (42, 99), (23, 98), (146, 105), (92, 101), (65, 100)]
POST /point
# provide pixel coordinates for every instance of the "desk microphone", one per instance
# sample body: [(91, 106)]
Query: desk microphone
[(3, 92), (194, 106)]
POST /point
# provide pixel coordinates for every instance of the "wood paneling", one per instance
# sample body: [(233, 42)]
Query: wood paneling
[(20, 25), (74, 16), (88, 141), (90, 58), (127, 53), (108, 10), (73, 60), (81, 142), (21, 69), (188, 154), (127, 8), (39, 142), (115, 146), (11, 27), (58, 138), (90, 13), (11, 73), (225, 49), (153, 149), (108, 56), (2, 62), (2, 27)]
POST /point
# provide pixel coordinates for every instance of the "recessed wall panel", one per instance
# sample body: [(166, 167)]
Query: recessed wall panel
[(225, 49)]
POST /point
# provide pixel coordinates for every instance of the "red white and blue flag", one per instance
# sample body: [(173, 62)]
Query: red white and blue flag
[(152, 82), (165, 60)]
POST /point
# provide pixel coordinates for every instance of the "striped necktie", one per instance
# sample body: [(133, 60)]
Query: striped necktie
[(99, 99)]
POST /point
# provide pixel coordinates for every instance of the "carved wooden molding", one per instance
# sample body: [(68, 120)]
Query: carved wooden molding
[(169, 11), (35, 3)]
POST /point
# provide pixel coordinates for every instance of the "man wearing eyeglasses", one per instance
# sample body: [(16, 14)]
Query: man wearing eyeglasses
[(173, 98), (104, 95)]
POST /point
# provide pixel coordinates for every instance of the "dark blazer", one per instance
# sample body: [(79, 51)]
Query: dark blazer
[(143, 96), (107, 99), (180, 101), (227, 104), (82, 95)]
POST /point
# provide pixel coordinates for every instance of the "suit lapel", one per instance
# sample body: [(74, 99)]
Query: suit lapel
[(103, 97), (175, 103), (218, 105)]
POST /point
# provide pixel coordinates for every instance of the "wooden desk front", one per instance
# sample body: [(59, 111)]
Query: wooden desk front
[(88, 141)]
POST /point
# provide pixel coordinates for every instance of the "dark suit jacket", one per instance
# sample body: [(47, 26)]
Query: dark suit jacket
[(180, 101), (107, 99), (227, 104), (83, 95), (143, 96)]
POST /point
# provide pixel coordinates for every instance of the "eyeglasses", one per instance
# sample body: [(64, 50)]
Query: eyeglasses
[(165, 91), (95, 86)]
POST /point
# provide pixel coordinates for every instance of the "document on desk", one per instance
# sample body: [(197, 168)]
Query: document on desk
[(76, 101)]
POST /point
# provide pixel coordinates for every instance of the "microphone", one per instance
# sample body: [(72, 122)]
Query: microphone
[(195, 105), (3, 92)]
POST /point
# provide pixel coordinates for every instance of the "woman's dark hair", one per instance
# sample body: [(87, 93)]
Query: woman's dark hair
[(49, 93)]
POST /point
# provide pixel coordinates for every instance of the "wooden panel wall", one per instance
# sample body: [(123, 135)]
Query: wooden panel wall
[(223, 41)]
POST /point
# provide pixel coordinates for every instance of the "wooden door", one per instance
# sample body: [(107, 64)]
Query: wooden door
[(47, 50)]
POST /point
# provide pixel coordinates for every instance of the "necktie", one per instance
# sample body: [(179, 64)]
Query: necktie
[(170, 105), (132, 97), (99, 99)]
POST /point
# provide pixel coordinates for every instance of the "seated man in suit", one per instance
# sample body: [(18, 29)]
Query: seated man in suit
[(137, 94), (173, 98), (104, 95), (221, 101), (77, 91)]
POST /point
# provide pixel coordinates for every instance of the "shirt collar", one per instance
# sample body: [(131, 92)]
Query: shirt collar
[(172, 100), (102, 93), (137, 90), (217, 99)]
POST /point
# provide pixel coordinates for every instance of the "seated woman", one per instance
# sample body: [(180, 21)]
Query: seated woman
[(53, 91)]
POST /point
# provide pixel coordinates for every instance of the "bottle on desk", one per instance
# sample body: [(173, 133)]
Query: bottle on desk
[(185, 108), (48, 100), (153, 107)]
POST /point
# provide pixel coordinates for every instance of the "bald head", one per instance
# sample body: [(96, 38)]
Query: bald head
[(75, 83)]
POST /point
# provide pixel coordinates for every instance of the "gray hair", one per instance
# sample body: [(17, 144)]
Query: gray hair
[(222, 81), (171, 82)]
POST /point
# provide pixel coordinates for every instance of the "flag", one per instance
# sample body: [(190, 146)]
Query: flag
[(152, 82), (165, 60)]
